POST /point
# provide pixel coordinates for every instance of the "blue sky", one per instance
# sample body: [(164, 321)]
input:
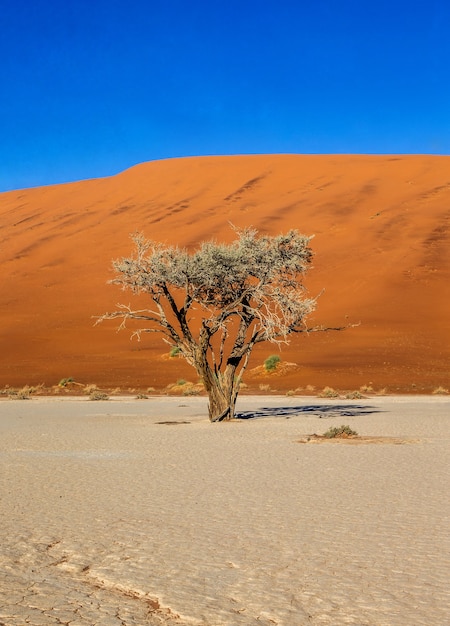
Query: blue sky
[(91, 87)]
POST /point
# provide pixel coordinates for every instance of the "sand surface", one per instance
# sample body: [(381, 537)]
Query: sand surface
[(127, 513), (382, 254)]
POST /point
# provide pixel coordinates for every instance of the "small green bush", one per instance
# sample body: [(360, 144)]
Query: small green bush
[(174, 351), (340, 431), (271, 363), (66, 381), (181, 382)]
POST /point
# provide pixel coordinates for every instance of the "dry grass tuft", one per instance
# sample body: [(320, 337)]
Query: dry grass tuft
[(24, 393), (185, 388), (98, 395), (440, 391), (328, 392), (89, 389), (354, 395)]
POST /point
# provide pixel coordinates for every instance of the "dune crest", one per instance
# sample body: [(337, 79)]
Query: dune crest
[(382, 255)]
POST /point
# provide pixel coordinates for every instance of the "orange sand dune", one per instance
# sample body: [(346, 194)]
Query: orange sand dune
[(382, 254)]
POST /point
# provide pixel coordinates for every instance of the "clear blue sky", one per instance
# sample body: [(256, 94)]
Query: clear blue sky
[(91, 87)]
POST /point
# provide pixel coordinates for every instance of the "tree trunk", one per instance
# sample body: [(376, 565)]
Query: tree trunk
[(222, 393)]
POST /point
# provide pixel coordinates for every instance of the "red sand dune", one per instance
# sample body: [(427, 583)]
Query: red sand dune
[(382, 254)]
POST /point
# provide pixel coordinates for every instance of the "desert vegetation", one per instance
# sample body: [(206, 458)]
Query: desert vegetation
[(271, 363), (64, 382), (340, 432), (329, 392), (98, 395), (217, 303), (440, 391)]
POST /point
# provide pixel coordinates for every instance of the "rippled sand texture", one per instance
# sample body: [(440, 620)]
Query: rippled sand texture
[(109, 518), (382, 255)]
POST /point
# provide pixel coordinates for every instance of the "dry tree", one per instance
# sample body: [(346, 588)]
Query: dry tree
[(216, 303)]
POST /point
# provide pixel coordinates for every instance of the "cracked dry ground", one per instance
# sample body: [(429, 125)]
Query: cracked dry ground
[(41, 588), (110, 517)]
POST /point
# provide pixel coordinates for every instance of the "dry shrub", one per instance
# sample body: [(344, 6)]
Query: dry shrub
[(185, 388), (20, 394), (440, 391), (340, 431), (98, 395), (24, 393), (89, 389), (328, 392), (191, 390), (354, 395)]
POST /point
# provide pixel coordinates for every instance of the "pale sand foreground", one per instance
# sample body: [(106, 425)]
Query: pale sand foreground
[(105, 513)]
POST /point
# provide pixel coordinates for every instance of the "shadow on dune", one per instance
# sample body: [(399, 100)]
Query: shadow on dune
[(320, 411)]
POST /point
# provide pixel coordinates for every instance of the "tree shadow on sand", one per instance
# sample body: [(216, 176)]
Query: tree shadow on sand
[(321, 411)]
